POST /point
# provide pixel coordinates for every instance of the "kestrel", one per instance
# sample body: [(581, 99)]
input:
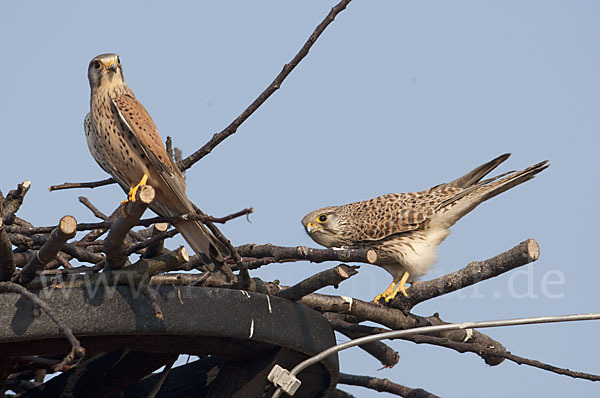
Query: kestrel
[(406, 228), (125, 142)]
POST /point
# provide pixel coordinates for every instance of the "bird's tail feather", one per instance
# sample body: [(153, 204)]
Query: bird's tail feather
[(478, 173), (470, 198), (203, 241)]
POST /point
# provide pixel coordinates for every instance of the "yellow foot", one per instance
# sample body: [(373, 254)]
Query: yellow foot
[(387, 292), (133, 191), (401, 287), (131, 194)]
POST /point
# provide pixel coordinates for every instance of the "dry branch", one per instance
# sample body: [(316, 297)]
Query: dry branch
[(171, 261), (273, 254), (382, 352), (114, 243), (156, 239), (82, 254), (13, 201), (384, 385), (93, 184), (95, 211), (274, 86), (330, 277), (30, 230), (157, 247), (397, 320), (476, 271), (67, 227)]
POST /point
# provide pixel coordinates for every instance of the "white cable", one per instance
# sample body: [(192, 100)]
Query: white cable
[(431, 329)]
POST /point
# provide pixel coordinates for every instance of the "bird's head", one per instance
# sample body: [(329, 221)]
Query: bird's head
[(105, 71), (326, 226)]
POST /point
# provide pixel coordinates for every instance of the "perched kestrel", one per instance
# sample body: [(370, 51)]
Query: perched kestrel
[(125, 142), (406, 228)]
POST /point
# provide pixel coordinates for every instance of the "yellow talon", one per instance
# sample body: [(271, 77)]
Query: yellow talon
[(133, 191), (131, 194), (393, 289), (387, 292), (400, 288)]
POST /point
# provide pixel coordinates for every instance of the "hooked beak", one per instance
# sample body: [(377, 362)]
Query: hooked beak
[(112, 67), (312, 227)]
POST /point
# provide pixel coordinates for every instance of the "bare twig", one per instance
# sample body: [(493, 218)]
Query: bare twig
[(330, 277), (92, 184), (274, 86), (77, 351), (169, 149), (551, 368), (113, 244), (145, 222), (384, 385), (86, 202), (66, 230), (476, 271)]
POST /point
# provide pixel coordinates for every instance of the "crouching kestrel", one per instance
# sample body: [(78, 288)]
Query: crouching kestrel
[(125, 142), (406, 228)]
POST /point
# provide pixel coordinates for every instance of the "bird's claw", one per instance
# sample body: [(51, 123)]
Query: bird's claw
[(131, 194)]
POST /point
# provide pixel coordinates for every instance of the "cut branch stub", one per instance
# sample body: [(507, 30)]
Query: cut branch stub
[(13, 201), (66, 229), (157, 248), (114, 245)]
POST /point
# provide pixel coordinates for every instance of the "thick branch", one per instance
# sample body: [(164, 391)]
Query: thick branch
[(170, 261), (114, 243), (82, 254), (476, 271), (274, 86), (396, 319), (384, 385), (330, 277), (67, 228), (273, 254)]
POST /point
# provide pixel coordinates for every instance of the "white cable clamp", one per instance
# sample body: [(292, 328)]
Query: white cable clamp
[(283, 379)]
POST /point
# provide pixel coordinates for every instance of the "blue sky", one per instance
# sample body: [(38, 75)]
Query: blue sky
[(396, 96)]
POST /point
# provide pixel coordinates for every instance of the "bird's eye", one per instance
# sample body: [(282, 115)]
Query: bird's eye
[(97, 64), (322, 218), (118, 61)]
